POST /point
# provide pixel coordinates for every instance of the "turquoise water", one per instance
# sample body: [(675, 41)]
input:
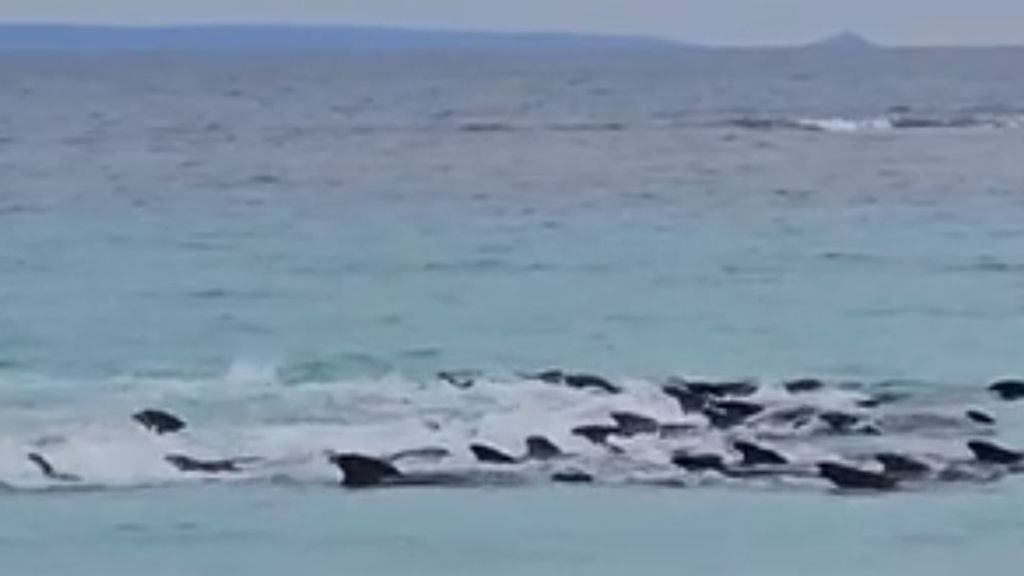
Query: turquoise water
[(286, 248), (270, 531)]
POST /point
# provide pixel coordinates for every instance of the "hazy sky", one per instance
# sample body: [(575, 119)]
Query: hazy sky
[(711, 21)]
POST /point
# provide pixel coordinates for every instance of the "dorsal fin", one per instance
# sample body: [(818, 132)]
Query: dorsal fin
[(632, 424), (540, 448), (902, 466), (490, 455), (754, 455), (362, 471), (991, 453)]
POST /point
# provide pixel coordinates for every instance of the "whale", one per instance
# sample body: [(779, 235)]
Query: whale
[(49, 471), (460, 380), (540, 448), (490, 455), (577, 381), (849, 478), (224, 466), (595, 433), (991, 453), (572, 477), (537, 448), (632, 424), (1010, 390), (803, 385), (159, 421), (980, 417), (754, 455), (697, 462), (731, 413), (362, 471), (903, 467)]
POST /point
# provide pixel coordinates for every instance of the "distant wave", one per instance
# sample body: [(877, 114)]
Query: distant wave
[(881, 123), (485, 127)]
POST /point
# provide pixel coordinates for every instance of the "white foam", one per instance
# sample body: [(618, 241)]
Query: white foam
[(291, 428)]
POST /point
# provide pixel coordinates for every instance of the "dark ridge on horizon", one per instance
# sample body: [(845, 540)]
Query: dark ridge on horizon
[(846, 41), (302, 37)]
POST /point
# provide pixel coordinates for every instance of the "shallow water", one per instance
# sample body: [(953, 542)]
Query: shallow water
[(590, 531), (286, 248)]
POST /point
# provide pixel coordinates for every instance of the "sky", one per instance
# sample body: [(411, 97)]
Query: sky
[(728, 22)]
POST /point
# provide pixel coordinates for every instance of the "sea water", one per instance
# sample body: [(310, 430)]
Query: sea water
[(285, 248)]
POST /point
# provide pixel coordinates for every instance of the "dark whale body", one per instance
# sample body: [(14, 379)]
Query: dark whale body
[(540, 448), (577, 381), (360, 471), (49, 471), (754, 455), (698, 462), (189, 464), (490, 455), (991, 453), (159, 421), (633, 424), (900, 466), (1008, 389), (980, 417), (595, 433), (803, 385), (850, 478)]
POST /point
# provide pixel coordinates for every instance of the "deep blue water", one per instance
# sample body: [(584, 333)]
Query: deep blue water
[(282, 246)]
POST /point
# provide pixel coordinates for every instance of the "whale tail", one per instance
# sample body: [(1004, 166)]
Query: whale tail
[(360, 471)]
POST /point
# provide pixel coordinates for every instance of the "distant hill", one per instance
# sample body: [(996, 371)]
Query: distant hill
[(846, 41), (235, 38)]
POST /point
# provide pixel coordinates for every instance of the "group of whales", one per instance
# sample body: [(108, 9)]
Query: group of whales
[(731, 409)]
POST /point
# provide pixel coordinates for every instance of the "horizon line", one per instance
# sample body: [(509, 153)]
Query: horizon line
[(297, 25)]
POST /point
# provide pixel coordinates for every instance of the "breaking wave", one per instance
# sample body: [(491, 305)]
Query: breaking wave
[(881, 123), (284, 430)]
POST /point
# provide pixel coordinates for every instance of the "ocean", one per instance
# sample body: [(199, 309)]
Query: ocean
[(286, 248)]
